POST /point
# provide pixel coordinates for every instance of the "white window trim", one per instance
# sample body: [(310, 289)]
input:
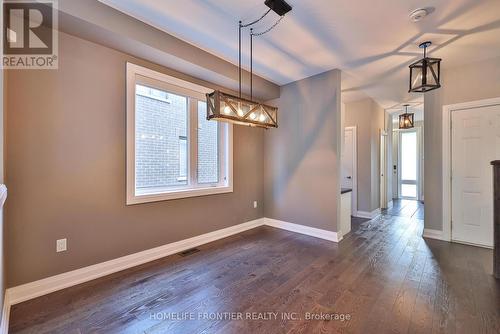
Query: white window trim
[(174, 84)]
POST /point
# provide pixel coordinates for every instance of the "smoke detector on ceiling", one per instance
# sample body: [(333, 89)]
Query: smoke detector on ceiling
[(419, 13)]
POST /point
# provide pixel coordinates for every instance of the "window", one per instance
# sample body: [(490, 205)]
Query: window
[(183, 159), (172, 150), (208, 150)]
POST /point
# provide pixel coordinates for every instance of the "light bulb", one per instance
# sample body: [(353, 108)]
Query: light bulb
[(253, 116), (262, 117), (227, 110), (240, 112)]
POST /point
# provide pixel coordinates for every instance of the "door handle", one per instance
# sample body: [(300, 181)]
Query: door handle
[(349, 177)]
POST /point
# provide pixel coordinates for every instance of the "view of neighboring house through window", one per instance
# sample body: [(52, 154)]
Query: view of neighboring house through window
[(208, 148), (183, 158), (177, 151), (161, 139)]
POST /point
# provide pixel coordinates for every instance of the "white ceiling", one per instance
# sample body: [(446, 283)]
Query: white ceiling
[(372, 42)]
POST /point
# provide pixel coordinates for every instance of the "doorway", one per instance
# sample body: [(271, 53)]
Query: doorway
[(349, 166), (409, 166), (474, 144), (383, 167), (471, 140)]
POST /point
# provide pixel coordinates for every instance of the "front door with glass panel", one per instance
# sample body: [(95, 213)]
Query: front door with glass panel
[(408, 162)]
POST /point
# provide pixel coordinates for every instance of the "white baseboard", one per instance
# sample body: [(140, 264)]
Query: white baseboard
[(370, 215), (51, 284), (47, 285), (434, 234), (311, 231), (439, 235), (4, 326)]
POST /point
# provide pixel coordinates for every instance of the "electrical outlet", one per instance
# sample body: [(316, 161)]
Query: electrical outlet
[(255, 204), (61, 245)]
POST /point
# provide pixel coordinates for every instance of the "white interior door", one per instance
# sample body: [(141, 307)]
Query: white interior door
[(475, 142)]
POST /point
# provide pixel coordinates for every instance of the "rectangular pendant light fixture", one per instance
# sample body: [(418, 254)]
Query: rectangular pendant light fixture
[(425, 73), (229, 108), (406, 120)]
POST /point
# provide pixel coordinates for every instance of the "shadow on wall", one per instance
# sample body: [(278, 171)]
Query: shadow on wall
[(225, 15), (303, 142)]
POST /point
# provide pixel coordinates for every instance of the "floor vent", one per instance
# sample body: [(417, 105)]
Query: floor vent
[(188, 252)]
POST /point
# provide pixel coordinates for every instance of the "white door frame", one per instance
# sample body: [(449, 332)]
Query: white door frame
[(383, 169), (418, 183), (354, 168), (447, 111)]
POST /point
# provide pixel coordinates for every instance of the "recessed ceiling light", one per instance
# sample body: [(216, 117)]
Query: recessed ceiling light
[(419, 13)]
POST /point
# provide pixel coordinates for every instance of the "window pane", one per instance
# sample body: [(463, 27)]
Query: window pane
[(409, 190), (183, 158), (161, 140), (409, 156), (208, 147)]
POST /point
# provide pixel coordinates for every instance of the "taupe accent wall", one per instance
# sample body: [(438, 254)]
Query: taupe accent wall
[(302, 156), (65, 169), (475, 81), (368, 116)]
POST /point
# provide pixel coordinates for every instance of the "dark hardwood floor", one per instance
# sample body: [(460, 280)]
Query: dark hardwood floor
[(384, 276), (406, 208)]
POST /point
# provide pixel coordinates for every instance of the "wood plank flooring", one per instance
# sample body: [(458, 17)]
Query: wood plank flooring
[(406, 208), (384, 276)]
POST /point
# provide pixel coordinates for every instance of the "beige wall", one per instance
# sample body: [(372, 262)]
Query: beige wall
[(368, 117), (389, 168), (302, 156), (65, 169), (475, 81)]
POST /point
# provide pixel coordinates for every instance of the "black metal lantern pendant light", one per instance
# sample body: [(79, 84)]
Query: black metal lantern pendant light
[(406, 119), (235, 109), (425, 73)]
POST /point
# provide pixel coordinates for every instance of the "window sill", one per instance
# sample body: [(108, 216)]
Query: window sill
[(177, 194)]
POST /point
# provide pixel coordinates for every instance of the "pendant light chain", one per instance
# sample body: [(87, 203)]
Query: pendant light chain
[(241, 25), (253, 22), (239, 57), (251, 63), (252, 34), (270, 28)]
